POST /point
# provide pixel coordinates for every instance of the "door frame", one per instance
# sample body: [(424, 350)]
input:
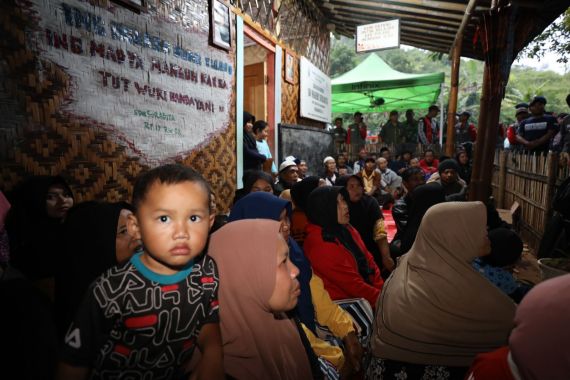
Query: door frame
[(273, 69)]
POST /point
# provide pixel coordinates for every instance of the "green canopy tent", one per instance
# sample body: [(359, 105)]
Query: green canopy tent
[(373, 86)]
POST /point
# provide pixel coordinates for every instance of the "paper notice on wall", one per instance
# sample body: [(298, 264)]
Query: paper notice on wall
[(315, 92)]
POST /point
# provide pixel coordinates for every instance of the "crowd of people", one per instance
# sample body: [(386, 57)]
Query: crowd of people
[(535, 129), (299, 281)]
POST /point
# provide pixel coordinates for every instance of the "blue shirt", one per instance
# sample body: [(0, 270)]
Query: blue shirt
[(499, 277), (535, 127), (263, 148)]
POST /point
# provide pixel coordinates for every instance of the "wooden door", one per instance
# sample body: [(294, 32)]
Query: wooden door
[(254, 90)]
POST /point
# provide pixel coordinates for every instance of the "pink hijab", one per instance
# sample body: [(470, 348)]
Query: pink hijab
[(540, 342), (257, 344)]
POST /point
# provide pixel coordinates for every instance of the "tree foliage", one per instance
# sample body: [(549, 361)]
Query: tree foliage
[(555, 38), (524, 82)]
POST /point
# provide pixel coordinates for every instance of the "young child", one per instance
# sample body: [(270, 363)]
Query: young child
[(146, 317), (506, 250)]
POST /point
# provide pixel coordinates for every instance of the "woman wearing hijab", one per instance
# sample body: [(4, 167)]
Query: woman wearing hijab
[(300, 194), (267, 206), (335, 249), (314, 302), (424, 197), (464, 166), (34, 225), (436, 313), (367, 218), (260, 284), (95, 239), (538, 345)]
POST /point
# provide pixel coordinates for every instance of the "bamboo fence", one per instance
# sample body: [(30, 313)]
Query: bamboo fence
[(530, 180)]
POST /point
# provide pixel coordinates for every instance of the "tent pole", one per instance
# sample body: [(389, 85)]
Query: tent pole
[(453, 94), (441, 115)]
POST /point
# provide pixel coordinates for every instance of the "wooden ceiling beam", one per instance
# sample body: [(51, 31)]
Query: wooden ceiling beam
[(348, 17), (382, 6), (363, 13)]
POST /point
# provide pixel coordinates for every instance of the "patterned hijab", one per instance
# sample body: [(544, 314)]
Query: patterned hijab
[(257, 344), (435, 308)]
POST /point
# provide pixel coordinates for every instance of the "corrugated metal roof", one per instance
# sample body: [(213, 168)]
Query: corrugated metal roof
[(433, 24)]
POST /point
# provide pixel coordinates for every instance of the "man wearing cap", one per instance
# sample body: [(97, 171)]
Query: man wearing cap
[(356, 134), (427, 126), (329, 174), (392, 132), (535, 132), (454, 187), (464, 130), (511, 140), (390, 183), (288, 176)]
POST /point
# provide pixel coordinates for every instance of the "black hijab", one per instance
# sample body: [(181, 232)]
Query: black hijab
[(363, 216), (423, 196), (34, 236), (89, 249), (322, 211), (301, 190)]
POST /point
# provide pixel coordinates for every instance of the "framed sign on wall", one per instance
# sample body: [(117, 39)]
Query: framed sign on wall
[(289, 68), (220, 24), (136, 6)]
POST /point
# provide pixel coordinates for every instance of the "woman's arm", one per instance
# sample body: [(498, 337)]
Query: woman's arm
[(211, 364)]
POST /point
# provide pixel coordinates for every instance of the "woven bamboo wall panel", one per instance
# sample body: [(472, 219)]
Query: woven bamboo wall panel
[(38, 136)]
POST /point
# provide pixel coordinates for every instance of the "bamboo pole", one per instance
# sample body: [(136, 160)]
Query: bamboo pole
[(502, 179), (550, 185), (453, 93)]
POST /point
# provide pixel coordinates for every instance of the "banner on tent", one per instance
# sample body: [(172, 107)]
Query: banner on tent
[(378, 36), (315, 93)]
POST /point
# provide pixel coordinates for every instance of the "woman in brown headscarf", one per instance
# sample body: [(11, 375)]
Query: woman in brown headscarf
[(436, 312), (256, 289)]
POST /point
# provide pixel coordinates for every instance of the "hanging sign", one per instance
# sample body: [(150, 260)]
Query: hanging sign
[(378, 36)]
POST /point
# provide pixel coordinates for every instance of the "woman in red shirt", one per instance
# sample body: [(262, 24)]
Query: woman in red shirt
[(335, 249)]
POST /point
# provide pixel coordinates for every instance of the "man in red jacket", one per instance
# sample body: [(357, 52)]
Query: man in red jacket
[(464, 130), (429, 163), (428, 129)]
